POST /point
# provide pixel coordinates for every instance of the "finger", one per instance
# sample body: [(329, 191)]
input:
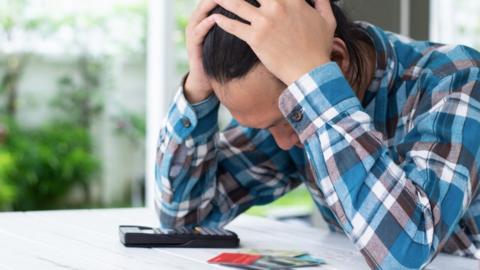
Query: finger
[(327, 13), (241, 8), (204, 7), (201, 30), (234, 27)]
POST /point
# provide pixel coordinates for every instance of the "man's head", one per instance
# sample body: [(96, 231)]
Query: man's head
[(249, 91)]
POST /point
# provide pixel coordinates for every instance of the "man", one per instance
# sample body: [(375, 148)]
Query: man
[(381, 129)]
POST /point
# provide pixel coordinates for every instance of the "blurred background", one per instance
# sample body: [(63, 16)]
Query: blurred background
[(85, 85)]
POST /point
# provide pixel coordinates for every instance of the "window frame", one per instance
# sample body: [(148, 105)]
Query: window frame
[(160, 71)]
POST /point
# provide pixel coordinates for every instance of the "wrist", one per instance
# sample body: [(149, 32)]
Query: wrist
[(193, 93), (297, 71), (194, 97)]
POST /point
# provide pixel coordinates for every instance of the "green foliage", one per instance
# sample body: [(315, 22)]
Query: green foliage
[(40, 166), (8, 190), (15, 21), (132, 126), (183, 9), (80, 101), (48, 163), (9, 13)]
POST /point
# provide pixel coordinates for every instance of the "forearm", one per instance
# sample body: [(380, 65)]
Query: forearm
[(207, 177), (186, 162), (398, 214)]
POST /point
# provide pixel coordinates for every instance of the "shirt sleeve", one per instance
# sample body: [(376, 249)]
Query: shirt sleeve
[(398, 212), (207, 177)]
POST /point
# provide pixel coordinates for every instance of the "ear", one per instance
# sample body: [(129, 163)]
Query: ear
[(340, 55)]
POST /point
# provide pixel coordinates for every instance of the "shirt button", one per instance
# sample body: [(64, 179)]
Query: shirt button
[(297, 116), (186, 122)]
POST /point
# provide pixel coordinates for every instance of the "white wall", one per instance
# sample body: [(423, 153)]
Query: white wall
[(455, 22)]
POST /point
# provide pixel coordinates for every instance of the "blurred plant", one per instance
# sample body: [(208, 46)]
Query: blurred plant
[(8, 190), (16, 25), (40, 166), (132, 126), (80, 101), (82, 33), (47, 163), (9, 83), (183, 9)]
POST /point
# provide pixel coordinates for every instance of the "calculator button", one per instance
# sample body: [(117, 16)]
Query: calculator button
[(209, 231), (202, 231), (168, 231), (182, 230), (217, 231)]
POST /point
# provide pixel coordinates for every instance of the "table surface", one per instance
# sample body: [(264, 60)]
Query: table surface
[(88, 239)]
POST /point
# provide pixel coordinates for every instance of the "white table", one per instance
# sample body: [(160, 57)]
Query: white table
[(88, 239)]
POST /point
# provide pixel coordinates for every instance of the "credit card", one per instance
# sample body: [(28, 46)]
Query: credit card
[(277, 262), (274, 252), (235, 259)]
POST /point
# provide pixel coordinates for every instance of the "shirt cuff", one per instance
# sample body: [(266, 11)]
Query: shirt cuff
[(317, 98), (185, 119)]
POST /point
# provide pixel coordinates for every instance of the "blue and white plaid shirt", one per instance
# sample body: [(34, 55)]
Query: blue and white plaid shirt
[(397, 171)]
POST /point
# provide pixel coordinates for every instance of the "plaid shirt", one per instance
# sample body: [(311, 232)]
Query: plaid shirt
[(397, 171)]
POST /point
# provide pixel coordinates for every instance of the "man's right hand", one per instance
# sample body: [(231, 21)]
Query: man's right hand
[(197, 85)]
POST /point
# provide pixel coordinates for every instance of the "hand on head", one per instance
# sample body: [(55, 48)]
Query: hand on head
[(197, 85), (289, 37), (279, 31)]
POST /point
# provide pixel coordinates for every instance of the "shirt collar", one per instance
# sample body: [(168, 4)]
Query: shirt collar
[(386, 63)]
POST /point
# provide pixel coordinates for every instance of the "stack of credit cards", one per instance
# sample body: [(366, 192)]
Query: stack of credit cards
[(256, 259)]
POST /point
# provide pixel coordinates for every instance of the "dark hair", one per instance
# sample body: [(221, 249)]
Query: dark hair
[(226, 57)]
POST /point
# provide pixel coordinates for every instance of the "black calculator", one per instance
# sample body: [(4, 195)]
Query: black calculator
[(198, 237)]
